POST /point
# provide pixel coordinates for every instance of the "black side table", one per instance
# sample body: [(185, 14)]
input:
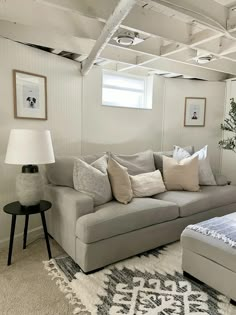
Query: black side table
[(15, 208)]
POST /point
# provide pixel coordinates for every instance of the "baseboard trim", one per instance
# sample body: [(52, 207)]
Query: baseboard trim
[(18, 238)]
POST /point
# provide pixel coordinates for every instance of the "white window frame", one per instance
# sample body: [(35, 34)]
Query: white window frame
[(147, 99)]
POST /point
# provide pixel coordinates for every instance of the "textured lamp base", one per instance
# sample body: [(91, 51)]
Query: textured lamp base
[(29, 187)]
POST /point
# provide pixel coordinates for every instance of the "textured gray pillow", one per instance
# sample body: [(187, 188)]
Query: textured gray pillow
[(142, 162), (93, 180), (158, 156), (60, 173)]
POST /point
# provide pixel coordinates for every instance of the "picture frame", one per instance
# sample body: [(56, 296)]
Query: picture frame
[(30, 95), (195, 112)]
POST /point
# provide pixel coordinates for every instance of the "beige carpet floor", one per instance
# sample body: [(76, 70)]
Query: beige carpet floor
[(25, 287)]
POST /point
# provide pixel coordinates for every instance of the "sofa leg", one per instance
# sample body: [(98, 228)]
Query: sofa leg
[(91, 272), (233, 302), (190, 277)]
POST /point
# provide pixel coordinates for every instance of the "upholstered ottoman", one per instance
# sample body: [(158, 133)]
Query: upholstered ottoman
[(210, 259)]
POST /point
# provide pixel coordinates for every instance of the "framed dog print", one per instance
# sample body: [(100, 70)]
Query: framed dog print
[(195, 111), (30, 95)]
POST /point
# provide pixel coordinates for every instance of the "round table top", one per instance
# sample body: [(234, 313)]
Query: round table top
[(16, 208)]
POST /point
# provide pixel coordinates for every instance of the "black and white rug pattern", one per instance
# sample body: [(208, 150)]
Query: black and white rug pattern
[(147, 284)]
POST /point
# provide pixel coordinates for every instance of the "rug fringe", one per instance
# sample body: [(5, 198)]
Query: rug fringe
[(65, 286)]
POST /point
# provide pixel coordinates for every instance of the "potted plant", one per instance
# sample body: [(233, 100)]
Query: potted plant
[(230, 125)]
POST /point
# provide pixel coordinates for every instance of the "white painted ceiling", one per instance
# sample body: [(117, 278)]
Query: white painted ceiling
[(175, 32), (228, 3)]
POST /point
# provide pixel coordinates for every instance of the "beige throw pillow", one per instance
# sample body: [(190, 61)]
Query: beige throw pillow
[(181, 175), (120, 182), (205, 173), (147, 184), (93, 180)]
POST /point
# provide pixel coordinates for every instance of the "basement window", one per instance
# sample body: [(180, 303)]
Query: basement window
[(125, 90)]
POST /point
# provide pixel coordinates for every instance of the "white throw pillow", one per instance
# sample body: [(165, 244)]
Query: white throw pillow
[(206, 177), (92, 179), (180, 153), (147, 184)]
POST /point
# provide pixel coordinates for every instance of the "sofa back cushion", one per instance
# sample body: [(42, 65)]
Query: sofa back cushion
[(142, 162), (60, 173), (158, 156)]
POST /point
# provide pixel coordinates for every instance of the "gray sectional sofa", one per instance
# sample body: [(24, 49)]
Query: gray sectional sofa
[(97, 236)]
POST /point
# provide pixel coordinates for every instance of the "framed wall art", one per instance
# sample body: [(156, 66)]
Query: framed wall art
[(195, 112), (30, 95)]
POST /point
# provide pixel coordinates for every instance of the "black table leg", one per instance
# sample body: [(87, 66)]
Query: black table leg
[(46, 234), (13, 224), (25, 230), (233, 302)]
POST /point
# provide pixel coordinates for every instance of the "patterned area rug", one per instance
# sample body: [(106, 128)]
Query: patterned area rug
[(147, 284)]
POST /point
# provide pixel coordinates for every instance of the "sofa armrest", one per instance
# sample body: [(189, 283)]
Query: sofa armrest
[(69, 202), (221, 180), (67, 206)]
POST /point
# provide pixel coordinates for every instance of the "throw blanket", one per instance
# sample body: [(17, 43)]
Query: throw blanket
[(221, 228)]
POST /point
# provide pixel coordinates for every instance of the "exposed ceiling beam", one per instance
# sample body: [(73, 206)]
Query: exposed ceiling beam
[(220, 46), (206, 12), (189, 70), (140, 61), (222, 65), (115, 54), (155, 23), (82, 46), (121, 11), (89, 8), (140, 20), (171, 49), (56, 51), (36, 36), (32, 13), (204, 37)]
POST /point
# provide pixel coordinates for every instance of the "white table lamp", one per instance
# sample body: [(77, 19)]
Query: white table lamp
[(29, 148)]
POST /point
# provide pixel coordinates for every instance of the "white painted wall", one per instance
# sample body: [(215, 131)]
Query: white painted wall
[(229, 157), (79, 123), (64, 113), (131, 130), (174, 131), (119, 129)]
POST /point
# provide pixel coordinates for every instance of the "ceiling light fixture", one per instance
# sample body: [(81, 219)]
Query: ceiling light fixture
[(127, 38), (205, 59)]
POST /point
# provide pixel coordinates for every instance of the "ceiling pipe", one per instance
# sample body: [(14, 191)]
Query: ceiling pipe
[(121, 11)]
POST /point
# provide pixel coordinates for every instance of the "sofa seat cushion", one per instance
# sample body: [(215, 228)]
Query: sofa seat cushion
[(113, 218), (209, 197)]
